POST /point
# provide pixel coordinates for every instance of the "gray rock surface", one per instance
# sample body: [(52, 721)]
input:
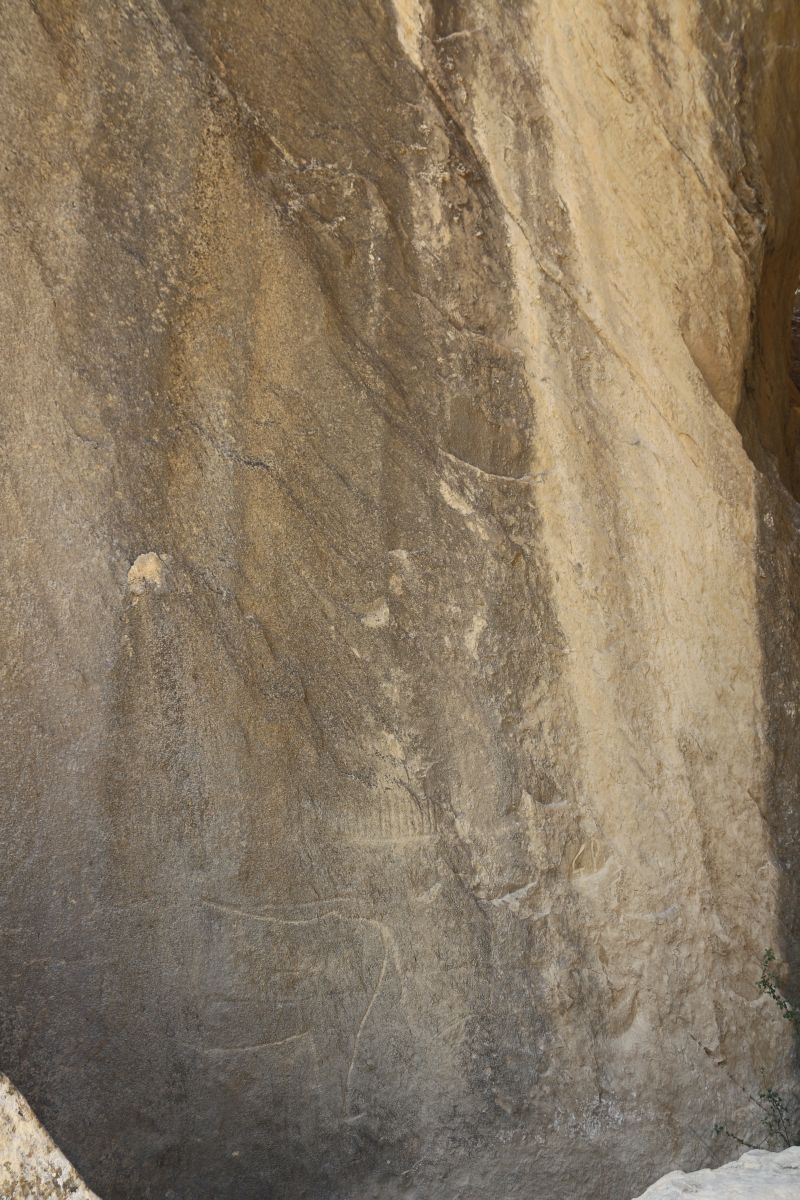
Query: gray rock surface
[(399, 588), (758, 1175)]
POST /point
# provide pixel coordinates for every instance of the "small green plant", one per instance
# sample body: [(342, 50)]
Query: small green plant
[(768, 984), (779, 1115)]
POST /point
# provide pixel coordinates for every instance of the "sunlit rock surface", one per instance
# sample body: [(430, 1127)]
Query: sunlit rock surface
[(758, 1175), (31, 1165), (400, 642)]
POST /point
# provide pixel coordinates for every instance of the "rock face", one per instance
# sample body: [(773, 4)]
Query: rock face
[(400, 582), (31, 1166), (757, 1175)]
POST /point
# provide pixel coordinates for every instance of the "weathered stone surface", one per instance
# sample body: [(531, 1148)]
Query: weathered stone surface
[(401, 645), (758, 1175), (31, 1165)]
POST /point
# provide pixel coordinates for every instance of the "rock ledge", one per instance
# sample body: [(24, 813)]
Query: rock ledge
[(758, 1175)]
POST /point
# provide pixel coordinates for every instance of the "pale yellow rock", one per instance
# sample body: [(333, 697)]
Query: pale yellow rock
[(146, 573), (400, 574)]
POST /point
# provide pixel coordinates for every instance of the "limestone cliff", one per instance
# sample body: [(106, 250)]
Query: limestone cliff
[(399, 581)]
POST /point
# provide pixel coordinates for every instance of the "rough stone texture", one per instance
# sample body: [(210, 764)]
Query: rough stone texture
[(758, 1175), (31, 1165), (401, 644)]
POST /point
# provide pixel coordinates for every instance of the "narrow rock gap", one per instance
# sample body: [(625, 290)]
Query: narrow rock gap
[(769, 414), (794, 347)]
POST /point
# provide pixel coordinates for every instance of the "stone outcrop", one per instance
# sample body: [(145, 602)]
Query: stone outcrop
[(758, 1175), (31, 1165), (400, 574)]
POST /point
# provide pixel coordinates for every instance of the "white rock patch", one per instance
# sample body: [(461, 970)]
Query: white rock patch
[(758, 1175), (31, 1165)]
